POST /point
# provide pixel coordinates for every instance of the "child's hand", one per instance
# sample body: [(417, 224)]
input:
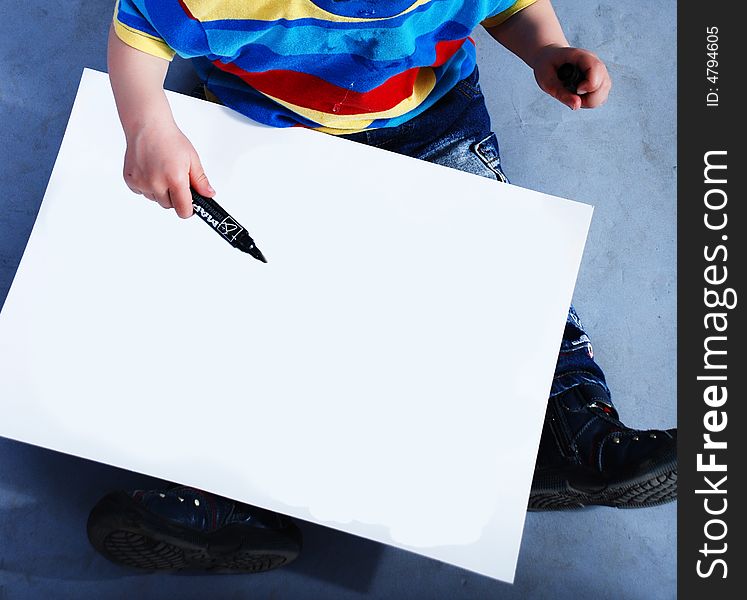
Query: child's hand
[(161, 164), (593, 88)]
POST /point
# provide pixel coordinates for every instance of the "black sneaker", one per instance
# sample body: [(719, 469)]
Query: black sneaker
[(183, 528), (587, 457)]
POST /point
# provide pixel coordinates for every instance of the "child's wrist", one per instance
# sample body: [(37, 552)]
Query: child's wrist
[(539, 54), (153, 114)]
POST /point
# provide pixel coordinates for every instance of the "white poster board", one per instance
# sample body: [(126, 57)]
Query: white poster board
[(386, 370)]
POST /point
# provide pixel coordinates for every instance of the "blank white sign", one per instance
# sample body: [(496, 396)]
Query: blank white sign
[(385, 374)]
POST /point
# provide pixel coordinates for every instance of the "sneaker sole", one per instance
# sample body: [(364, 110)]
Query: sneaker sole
[(653, 487), (127, 534)]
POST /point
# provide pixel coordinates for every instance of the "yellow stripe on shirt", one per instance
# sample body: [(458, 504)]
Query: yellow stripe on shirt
[(424, 83), (506, 14), (272, 10), (141, 40)]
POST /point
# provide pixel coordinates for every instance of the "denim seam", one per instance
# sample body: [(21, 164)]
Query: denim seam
[(494, 163), (575, 372), (467, 89), (584, 346)]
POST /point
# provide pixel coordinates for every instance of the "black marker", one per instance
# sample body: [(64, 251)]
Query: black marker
[(571, 76), (213, 214)]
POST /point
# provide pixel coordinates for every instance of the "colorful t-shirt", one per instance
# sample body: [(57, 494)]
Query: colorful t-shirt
[(336, 65)]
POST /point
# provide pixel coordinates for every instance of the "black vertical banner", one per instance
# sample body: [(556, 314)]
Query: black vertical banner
[(712, 369)]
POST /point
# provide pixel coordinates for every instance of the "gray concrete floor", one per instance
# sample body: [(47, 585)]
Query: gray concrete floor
[(621, 158)]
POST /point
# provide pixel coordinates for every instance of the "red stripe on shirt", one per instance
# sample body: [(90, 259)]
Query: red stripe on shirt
[(315, 93), (445, 50)]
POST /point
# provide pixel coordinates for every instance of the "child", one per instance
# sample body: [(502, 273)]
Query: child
[(399, 75)]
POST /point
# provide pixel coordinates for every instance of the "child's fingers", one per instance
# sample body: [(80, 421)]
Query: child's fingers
[(570, 99), (198, 179), (162, 198), (597, 97), (181, 199), (560, 93), (595, 73)]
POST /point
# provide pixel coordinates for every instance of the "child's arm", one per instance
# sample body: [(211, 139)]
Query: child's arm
[(160, 162), (534, 35)]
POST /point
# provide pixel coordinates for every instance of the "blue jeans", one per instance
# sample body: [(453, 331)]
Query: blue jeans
[(455, 132)]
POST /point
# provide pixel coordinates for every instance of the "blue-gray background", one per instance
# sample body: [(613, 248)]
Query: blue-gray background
[(620, 158)]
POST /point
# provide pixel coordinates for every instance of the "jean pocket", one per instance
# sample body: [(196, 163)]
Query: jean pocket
[(487, 151)]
